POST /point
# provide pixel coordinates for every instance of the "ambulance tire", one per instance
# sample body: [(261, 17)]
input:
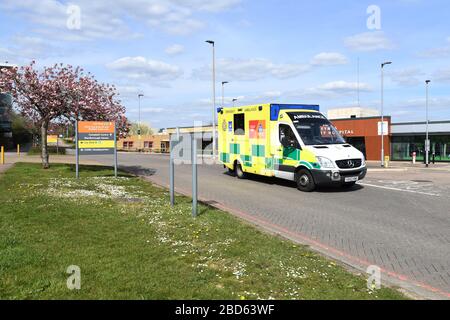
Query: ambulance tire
[(305, 181), (239, 172)]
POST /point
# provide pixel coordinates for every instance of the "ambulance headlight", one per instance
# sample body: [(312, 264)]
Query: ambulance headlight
[(325, 163)]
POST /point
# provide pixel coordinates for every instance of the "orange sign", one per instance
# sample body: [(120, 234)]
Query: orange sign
[(95, 127), (257, 129)]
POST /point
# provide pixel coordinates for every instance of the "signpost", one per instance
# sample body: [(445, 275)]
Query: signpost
[(183, 150), (52, 139), (96, 138)]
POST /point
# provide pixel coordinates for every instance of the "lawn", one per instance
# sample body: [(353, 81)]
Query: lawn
[(130, 244)]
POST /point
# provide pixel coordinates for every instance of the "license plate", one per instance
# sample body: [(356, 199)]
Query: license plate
[(351, 179)]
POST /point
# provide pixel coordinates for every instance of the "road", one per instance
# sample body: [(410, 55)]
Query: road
[(397, 220)]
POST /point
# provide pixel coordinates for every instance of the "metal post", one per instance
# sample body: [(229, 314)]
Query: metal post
[(212, 43), (172, 173), (214, 101), (77, 152), (382, 110), (427, 139), (382, 115), (194, 176), (115, 150)]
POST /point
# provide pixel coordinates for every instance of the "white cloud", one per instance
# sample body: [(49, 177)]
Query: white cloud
[(442, 75), (112, 19), (369, 41), (329, 59), (330, 90), (434, 103), (208, 5), (153, 110), (407, 77), (251, 70), (434, 53), (140, 68), (344, 86), (174, 49)]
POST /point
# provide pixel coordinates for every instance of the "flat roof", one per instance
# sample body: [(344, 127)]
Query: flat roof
[(421, 122), (359, 118)]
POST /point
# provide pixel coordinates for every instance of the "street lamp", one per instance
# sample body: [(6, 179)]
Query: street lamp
[(139, 113), (234, 100), (212, 43), (223, 92), (382, 110), (139, 118), (427, 139)]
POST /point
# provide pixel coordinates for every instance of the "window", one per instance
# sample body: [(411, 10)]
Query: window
[(163, 147), (315, 129), (148, 144), (239, 124), (287, 137)]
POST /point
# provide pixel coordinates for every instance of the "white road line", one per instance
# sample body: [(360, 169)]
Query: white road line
[(397, 189)]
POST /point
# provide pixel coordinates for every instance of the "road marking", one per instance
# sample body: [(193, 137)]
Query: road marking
[(397, 189)]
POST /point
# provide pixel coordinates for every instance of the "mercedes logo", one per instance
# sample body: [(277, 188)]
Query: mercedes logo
[(350, 164)]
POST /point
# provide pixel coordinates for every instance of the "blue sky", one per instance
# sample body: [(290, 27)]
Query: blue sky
[(287, 51)]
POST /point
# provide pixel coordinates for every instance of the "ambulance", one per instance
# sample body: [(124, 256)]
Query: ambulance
[(292, 142)]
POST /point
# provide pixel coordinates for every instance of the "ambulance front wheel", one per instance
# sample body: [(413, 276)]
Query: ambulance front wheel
[(305, 181), (239, 172)]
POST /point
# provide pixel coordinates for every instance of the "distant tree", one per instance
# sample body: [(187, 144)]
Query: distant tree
[(146, 130), (22, 129), (61, 94)]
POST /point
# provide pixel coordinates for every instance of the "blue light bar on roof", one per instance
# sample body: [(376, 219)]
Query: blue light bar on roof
[(276, 108)]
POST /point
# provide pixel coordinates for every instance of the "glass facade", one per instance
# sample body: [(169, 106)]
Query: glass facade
[(404, 146), (5, 108)]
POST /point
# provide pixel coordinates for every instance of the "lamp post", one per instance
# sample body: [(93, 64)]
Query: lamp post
[(139, 119), (212, 43), (234, 100), (382, 110), (427, 139), (223, 92)]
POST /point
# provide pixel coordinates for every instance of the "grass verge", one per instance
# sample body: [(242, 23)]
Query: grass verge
[(130, 244)]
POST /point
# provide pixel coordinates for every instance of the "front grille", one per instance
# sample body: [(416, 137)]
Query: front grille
[(349, 164), (352, 173)]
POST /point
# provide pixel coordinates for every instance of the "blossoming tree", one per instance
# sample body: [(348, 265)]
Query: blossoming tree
[(61, 94)]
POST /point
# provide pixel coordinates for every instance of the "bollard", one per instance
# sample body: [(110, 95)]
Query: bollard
[(414, 156), (2, 155), (18, 150), (386, 161), (194, 177)]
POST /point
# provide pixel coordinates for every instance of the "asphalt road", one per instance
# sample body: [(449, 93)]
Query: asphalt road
[(397, 220)]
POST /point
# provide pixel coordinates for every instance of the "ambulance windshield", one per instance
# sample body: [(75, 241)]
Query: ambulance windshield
[(315, 129)]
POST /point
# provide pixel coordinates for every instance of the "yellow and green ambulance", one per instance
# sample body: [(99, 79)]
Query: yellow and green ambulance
[(293, 142)]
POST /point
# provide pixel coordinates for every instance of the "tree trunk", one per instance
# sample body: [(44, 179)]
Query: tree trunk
[(44, 149)]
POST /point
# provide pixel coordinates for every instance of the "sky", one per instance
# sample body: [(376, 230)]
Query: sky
[(269, 51)]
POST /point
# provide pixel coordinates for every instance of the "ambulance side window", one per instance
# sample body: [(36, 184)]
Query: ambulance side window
[(287, 137), (239, 124)]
